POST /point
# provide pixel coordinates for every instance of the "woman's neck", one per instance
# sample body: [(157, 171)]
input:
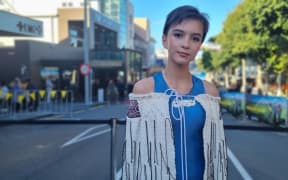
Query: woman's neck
[(177, 73), (178, 79)]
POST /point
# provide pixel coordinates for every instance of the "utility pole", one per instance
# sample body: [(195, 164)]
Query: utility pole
[(86, 55)]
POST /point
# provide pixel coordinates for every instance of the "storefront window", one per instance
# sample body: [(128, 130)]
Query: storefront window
[(52, 72)]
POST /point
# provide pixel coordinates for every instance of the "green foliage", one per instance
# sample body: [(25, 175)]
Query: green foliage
[(211, 61), (207, 61), (259, 30)]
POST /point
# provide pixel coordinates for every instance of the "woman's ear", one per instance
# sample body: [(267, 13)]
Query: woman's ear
[(164, 41)]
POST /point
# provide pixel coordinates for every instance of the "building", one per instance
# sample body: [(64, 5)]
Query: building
[(7, 5), (143, 41), (59, 53), (12, 25), (120, 11)]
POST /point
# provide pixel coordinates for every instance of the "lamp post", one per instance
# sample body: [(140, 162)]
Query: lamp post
[(86, 55)]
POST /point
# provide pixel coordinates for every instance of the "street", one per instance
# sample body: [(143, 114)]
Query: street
[(82, 151), (69, 67)]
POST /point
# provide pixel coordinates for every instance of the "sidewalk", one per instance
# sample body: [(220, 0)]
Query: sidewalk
[(47, 113), (240, 121)]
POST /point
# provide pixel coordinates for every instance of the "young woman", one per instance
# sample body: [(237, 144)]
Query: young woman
[(194, 148)]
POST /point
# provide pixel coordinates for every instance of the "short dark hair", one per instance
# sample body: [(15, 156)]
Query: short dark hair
[(182, 13)]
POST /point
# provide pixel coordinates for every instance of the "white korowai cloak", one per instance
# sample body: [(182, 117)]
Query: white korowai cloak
[(149, 149)]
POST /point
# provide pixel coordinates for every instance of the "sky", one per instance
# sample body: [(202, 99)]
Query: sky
[(157, 10)]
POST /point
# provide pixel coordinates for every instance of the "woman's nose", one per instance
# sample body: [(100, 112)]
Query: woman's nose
[(185, 43)]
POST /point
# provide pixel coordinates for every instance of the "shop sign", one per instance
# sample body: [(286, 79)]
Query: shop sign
[(24, 27), (15, 25)]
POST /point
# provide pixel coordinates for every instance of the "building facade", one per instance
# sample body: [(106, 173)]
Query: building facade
[(63, 36), (120, 11), (7, 5), (143, 41)]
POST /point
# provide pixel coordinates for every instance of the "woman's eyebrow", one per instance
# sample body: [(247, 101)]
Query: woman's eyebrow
[(178, 30), (197, 34), (181, 31)]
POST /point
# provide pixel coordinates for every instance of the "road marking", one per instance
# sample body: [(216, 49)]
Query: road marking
[(82, 137), (52, 117), (245, 175), (89, 109), (76, 138), (96, 107)]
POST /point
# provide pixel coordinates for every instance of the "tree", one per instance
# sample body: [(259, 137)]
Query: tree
[(206, 61), (259, 30)]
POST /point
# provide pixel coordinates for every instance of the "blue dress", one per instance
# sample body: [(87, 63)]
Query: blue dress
[(188, 118)]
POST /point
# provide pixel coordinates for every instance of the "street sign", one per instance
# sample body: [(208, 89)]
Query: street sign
[(85, 69)]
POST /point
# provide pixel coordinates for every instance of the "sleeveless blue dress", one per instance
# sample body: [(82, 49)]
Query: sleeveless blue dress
[(188, 118)]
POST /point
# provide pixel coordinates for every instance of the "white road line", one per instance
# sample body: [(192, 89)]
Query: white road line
[(89, 109), (245, 175), (52, 117), (86, 132), (82, 137)]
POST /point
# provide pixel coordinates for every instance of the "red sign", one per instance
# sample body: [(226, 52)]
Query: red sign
[(85, 69)]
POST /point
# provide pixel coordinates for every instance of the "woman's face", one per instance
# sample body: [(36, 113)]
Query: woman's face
[(183, 41)]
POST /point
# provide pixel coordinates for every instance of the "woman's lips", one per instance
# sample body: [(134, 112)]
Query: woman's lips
[(183, 54)]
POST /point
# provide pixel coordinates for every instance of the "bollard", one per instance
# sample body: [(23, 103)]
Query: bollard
[(245, 103), (100, 95), (71, 98), (113, 147)]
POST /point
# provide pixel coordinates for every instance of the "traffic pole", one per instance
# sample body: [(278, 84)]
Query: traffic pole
[(113, 148), (86, 55)]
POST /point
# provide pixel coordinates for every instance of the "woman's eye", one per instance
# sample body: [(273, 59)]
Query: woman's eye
[(178, 35), (196, 39)]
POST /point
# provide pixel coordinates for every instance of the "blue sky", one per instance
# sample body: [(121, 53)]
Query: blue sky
[(156, 11)]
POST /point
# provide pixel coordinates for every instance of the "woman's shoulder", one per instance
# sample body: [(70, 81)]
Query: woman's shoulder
[(143, 86), (210, 88)]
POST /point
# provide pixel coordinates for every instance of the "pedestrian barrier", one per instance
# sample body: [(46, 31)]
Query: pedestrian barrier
[(38, 101), (5, 103)]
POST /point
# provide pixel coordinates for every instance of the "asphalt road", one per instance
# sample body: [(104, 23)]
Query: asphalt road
[(82, 151)]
